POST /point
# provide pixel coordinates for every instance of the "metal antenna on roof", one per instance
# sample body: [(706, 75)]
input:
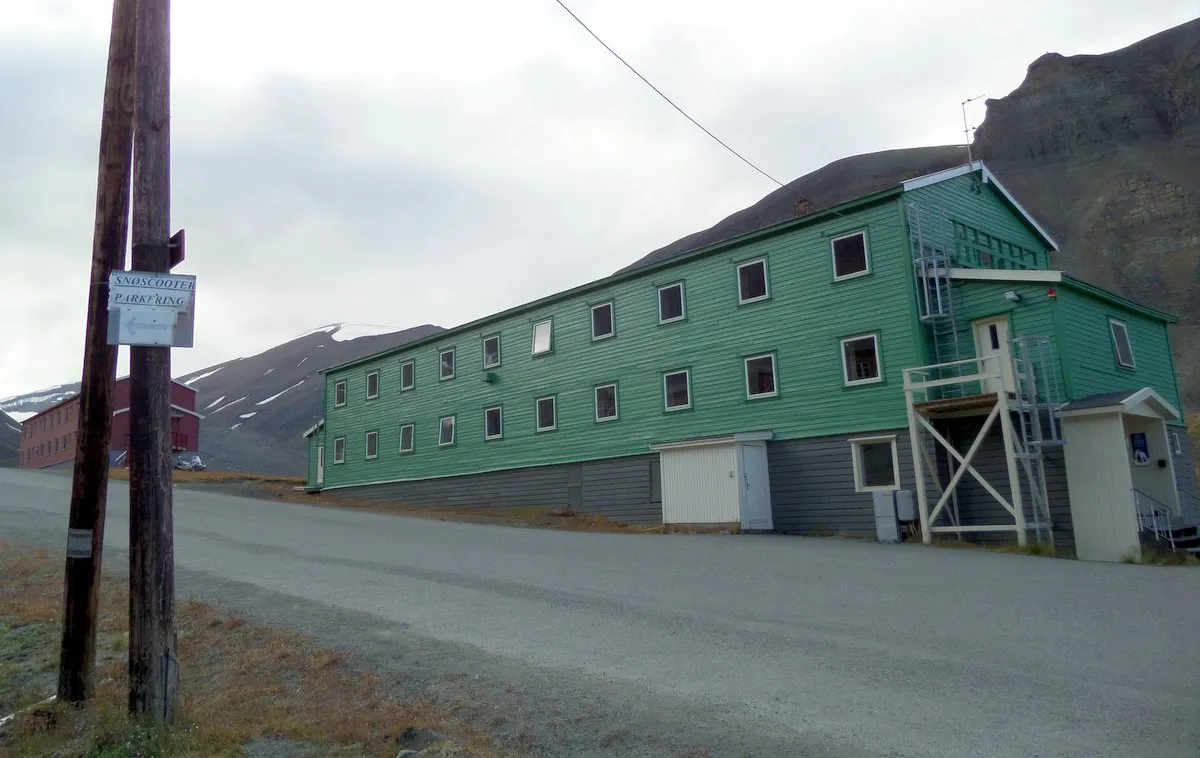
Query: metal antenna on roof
[(966, 128)]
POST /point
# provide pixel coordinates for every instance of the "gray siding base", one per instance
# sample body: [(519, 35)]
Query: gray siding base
[(1185, 477), (618, 488), (812, 485)]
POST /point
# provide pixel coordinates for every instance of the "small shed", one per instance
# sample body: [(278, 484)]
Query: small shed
[(1120, 470), (717, 480)]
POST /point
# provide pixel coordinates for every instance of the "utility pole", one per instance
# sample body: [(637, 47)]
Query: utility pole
[(89, 490), (153, 663)]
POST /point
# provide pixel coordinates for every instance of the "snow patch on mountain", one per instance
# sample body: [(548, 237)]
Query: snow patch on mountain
[(348, 332), (272, 397), (20, 416), (205, 375), (268, 371), (235, 426), (215, 402), (223, 407), (251, 414), (301, 363)]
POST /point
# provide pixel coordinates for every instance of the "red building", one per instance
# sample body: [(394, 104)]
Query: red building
[(48, 438)]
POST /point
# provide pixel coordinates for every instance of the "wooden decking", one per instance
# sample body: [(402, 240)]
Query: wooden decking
[(962, 406)]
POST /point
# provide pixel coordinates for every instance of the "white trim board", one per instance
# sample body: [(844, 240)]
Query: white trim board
[(727, 439), (313, 429), (1006, 275), (1157, 405), (988, 178)]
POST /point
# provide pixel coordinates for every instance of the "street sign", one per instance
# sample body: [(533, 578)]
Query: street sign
[(151, 309)]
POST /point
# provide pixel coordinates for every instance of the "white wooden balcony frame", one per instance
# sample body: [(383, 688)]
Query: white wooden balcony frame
[(917, 382)]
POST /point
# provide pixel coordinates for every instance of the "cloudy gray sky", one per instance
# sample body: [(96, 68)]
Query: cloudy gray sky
[(398, 163)]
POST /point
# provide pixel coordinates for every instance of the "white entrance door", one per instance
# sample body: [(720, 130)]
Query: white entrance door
[(756, 486), (320, 464), (991, 338)]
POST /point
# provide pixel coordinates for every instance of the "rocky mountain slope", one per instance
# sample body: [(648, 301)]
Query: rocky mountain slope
[(1103, 149), (10, 440)]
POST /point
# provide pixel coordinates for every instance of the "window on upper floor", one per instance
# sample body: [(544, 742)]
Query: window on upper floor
[(860, 359), (752, 281), (546, 410), (1175, 444), (339, 394), (850, 258), (876, 465), (602, 321), (408, 375), (760, 376), (372, 444), (1124, 350), (339, 450), (670, 303), (491, 351), (446, 431), (606, 402), (493, 423), (407, 435), (677, 391), (372, 385), (542, 337), (446, 364)]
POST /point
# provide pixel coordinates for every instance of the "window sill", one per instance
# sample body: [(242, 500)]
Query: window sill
[(753, 300), (762, 396), (862, 383), (676, 320), (603, 337), (849, 277)]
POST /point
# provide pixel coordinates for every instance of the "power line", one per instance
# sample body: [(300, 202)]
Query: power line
[(684, 113)]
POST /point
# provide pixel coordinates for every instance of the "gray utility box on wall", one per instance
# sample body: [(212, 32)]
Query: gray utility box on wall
[(892, 508)]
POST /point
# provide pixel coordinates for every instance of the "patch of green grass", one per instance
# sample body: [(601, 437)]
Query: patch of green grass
[(1156, 556)]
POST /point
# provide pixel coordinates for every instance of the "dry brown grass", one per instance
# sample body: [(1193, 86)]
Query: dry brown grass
[(238, 682), (217, 477), (1193, 424)]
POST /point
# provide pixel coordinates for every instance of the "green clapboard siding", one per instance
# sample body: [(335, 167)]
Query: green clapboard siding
[(1032, 316), (801, 324), (967, 200), (1092, 359)]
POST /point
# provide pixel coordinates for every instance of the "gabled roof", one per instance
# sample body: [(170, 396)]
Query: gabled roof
[(988, 178), (1143, 402), (1046, 276)]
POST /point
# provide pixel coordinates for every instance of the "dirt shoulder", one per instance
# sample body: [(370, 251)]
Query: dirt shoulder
[(286, 489), (247, 690)]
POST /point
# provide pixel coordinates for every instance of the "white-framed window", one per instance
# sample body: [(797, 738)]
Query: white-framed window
[(491, 351), (1121, 346), (670, 303), (876, 464), (602, 321), (372, 444), (446, 364), (677, 390), (543, 336), (446, 431), (339, 393), (606, 402), (752, 281), (407, 437), (408, 375), (339, 450), (372, 385), (1176, 444), (850, 256), (760, 376), (493, 423), (546, 411), (860, 360)]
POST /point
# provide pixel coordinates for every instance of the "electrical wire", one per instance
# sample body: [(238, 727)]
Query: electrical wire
[(684, 113)]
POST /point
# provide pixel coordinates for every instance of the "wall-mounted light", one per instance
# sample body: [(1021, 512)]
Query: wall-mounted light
[(1012, 296)]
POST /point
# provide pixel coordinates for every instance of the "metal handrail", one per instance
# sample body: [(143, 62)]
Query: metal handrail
[(1153, 516)]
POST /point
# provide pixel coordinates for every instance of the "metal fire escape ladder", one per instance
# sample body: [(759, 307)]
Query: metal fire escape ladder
[(1036, 406), (933, 250)]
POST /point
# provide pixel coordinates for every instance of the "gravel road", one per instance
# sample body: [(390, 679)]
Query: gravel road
[(573, 644)]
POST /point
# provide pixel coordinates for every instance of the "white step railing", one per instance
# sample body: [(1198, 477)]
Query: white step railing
[(1153, 516)]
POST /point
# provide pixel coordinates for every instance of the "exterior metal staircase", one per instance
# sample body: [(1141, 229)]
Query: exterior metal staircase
[(1036, 397)]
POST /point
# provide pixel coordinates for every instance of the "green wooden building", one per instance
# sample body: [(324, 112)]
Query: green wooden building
[(912, 349)]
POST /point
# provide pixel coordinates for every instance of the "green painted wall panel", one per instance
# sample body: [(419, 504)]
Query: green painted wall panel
[(980, 206), (1093, 363), (801, 324)]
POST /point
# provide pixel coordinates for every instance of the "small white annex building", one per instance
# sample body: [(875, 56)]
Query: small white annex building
[(1120, 471), (717, 480)]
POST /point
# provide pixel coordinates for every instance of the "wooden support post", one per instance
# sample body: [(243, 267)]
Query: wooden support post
[(89, 489), (914, 439), (1014, 477), (153, 663)]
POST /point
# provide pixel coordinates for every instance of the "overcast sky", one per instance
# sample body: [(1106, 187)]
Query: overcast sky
[(399, 163)]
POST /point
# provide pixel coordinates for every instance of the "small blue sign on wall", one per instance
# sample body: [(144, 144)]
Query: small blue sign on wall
[(1141, 449)]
